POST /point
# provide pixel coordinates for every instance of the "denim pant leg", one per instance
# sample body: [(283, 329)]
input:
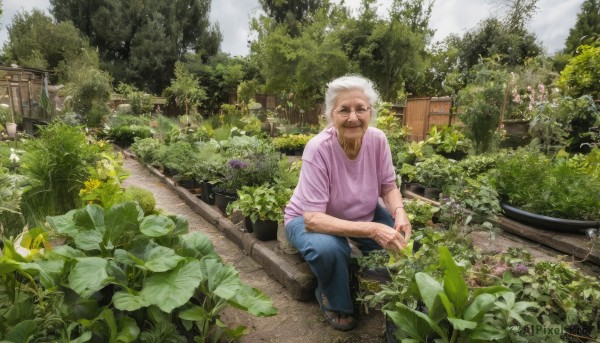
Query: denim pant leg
[(328, 257)]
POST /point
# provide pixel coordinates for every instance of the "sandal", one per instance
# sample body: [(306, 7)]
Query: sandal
[(333, 317)]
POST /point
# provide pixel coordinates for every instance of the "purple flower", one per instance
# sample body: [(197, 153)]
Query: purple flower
[(237, 164), (521, 269)]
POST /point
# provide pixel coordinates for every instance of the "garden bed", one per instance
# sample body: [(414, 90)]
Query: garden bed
[(572, 244)]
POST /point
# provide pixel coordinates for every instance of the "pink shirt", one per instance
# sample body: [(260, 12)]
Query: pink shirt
[(343, 188)]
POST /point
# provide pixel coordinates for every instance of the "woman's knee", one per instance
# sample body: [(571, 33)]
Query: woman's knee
[(328, 249)]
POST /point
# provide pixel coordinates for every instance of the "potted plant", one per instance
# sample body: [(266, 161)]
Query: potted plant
[(7, 114), (264, 206)]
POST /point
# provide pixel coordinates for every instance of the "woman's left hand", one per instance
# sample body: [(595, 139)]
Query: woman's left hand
[(402, 224)]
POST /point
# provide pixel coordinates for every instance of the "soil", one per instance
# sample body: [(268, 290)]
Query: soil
[(296, 321)]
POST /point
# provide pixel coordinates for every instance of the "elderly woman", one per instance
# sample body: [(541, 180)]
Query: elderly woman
[(346, 168)]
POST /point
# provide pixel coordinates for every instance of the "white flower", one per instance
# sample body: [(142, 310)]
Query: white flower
[(13, 156)]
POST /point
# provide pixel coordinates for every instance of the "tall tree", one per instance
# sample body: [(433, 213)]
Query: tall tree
[(291, 12), (390, 51), (493, 38), (587, 26), (138, 39), (36, 41)]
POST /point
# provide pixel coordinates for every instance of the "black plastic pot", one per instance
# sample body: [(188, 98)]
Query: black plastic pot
[(222, 199), (207, 193), (415, 188), (548, 223), (432, 193), (265, 230), (248, 224)]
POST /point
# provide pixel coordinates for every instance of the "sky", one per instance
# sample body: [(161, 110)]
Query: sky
[(551, 22)]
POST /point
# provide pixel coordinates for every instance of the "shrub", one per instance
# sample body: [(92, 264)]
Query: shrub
[(56, 165), (145, 149), (142, 196), (126, 135)]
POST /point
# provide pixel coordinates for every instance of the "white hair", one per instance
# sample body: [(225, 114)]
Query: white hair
[(346, 83)]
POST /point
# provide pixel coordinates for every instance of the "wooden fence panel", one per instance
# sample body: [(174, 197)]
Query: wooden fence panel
[(415, 117)]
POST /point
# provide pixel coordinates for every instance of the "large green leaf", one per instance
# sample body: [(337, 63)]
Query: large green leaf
[(88, 240), (64, 224), (181, 225), (156, 225), (128, 330), (455, 285), (90, 217), (195, 313), (487, 333), (88, 275), (50, 272), (222, 280), (128, 302), (196, 244), (416, 324), (174, 288), (122, 222), (67, 252), (428, 287), (479, 306), (161, 259), (23, 330), (461, 324), (253, 301)]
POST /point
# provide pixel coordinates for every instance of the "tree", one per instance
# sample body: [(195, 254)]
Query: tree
[(587, 26), (493, 38), (581, 76), (220, 76), (137, 39), (390, 51), (185, 89), (36, 41), (291, 12)]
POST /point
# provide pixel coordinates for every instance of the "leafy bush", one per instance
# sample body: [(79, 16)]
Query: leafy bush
[(530, 181), (146, 149), (56, 166), (142, 196), (179, 157), (581, 76), (480, 104), (11, 188), (126, 135), (435, 171), (291, 142), (123, 274), (262, 202)]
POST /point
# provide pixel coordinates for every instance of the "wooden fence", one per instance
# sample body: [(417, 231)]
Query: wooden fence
[(421, 114)]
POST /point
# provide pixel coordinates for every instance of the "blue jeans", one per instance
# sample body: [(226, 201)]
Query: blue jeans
[(329, 258)]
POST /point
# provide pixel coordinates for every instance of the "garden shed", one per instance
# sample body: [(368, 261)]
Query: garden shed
[(25, 91)]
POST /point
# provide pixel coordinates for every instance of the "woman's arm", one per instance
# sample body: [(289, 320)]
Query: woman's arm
[(380, 233), (393, 201)]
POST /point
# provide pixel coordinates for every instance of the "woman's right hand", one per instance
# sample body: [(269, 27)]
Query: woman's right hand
[(387, 237)]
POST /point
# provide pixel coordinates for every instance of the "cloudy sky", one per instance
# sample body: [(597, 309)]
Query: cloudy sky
[(551, 23)]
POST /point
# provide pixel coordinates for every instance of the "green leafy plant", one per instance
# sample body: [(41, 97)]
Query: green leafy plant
[(435, 171), (530, 181), (262, 202), (56, 165), (142, 196), (291, 142), (123, 273), (145, 149), (455, 312), (419, 212)]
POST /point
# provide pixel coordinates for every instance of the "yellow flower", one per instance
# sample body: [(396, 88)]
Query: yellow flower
[(92, 184)]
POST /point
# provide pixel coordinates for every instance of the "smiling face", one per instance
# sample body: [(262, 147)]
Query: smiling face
[(351, 115)]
